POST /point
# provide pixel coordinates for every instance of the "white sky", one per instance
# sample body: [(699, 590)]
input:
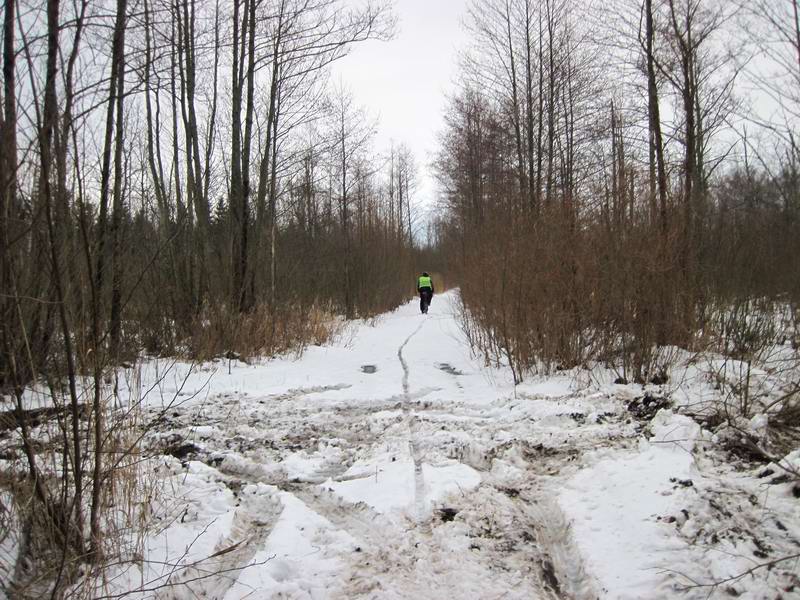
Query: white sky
[(404, 82)]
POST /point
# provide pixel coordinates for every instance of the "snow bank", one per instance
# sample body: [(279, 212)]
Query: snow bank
[(617, 508)]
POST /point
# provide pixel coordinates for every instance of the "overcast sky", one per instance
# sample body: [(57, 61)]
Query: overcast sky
[(404, 82)]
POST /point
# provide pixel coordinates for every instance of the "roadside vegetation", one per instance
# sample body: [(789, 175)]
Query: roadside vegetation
[(622, 193), (614, 191), (177, 179)]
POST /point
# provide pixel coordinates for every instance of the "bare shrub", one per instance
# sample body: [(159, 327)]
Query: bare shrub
[(260, 332)]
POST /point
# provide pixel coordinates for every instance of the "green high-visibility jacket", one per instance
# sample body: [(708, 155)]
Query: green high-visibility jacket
[(424, 282)]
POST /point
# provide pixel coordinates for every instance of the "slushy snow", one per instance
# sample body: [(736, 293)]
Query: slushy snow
[(394, 463)]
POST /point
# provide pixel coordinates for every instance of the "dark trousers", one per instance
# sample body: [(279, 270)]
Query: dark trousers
[(425, 296)]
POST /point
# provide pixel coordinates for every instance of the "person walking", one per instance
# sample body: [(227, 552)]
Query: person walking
[(425, 289)]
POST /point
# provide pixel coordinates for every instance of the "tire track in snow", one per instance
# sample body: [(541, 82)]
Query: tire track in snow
[(394, 561), (403, 362), (253, 521), (561, 569), (358, 520), (419, 478)]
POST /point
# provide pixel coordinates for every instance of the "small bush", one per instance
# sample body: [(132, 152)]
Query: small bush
[(260, 332)]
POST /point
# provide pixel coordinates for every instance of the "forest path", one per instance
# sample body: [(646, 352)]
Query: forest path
[(406, 468)]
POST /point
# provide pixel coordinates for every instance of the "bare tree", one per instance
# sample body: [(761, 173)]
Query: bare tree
[(353, 133), (658, 172)]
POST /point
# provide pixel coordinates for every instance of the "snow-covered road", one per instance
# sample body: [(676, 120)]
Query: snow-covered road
[(394, 464)]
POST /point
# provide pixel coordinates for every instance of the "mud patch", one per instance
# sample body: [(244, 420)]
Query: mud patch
[(179, 447), (296, 393), (447, 514), (549, 576), (647, 406), (449, 369)]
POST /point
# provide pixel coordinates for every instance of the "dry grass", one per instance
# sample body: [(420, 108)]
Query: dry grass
[(261, 332)]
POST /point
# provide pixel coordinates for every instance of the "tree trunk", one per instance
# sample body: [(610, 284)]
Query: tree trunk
[(8, 176), (47, 128), (533, 196), (515, 103), (658, 175), (238, 202), (551, 101), (118, 57)]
